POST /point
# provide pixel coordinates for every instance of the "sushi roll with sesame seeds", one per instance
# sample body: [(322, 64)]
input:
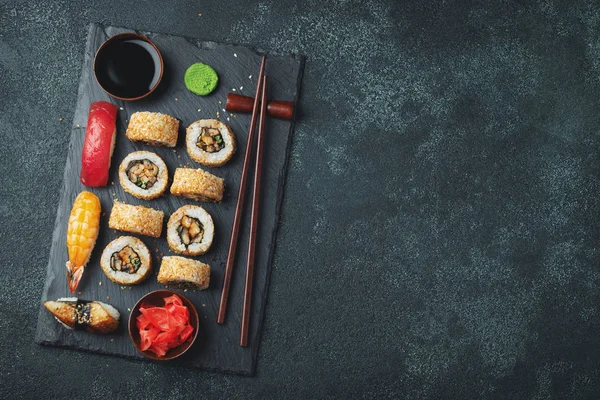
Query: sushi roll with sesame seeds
[(144, 174), (155, 129), (184, 273), (197, 184), (210, 142), (136, 219), (190, 231), (126, 261)]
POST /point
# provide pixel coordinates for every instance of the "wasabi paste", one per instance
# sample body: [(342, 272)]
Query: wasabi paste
[(201, 79)]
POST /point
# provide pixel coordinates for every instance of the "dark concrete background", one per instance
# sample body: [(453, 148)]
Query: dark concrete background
[(439, 236)]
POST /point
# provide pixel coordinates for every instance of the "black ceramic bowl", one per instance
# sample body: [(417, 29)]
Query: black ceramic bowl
[(128, 66), (156, 299)]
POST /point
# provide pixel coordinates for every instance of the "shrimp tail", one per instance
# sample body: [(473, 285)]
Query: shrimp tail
[(73, 276)]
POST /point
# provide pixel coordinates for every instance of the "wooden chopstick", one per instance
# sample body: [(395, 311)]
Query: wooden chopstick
[(254, 218), (240, 202)]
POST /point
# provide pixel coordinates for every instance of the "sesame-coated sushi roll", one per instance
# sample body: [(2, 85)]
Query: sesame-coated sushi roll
[(126, 260), (184, 272), (190, 231), (197, 184), (136, 219), (210, 142), (144, 174), (153, 128)]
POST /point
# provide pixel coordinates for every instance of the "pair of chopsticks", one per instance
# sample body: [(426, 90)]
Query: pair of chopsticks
[(261, 89)]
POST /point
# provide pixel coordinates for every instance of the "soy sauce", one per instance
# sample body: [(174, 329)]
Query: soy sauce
[(127, 67)]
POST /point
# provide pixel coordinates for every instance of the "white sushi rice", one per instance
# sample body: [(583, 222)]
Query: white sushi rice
[(162, 178), (113, 312), (121, 277), (193, 133), (193, 249)]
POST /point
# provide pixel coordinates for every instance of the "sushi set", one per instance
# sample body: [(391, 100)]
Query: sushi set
[(171, 197)]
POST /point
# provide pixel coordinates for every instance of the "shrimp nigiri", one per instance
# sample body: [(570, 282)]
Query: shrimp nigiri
[(81, 235)]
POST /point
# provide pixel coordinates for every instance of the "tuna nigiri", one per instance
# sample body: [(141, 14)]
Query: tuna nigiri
[(99, 143), (81, 235)]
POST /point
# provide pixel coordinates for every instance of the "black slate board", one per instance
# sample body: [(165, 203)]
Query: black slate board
[(217, 345)]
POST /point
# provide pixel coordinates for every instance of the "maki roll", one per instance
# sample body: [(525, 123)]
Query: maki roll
[(197, 184), (91, 316), (126, 260), (184, 273), (153, 128), (190, 231), (210, 142), (136, 219), (144, 174)]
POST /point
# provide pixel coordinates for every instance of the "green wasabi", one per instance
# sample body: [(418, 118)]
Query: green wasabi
[(201, 79)]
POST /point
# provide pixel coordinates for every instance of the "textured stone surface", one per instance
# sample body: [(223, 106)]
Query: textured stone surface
[(453, 256)]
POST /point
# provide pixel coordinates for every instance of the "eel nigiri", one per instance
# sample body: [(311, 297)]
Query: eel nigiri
[(81, 235), (92, 316), (99, 143)]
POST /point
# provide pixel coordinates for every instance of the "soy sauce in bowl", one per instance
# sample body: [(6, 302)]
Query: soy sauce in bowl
[(128, 66)]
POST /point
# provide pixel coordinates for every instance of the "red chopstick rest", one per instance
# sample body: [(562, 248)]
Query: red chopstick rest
[(275, 109)]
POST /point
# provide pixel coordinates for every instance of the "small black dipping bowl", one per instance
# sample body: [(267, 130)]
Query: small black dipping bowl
[(128, 66)]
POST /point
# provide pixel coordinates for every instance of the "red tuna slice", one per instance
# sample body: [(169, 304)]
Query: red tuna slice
[(99, 144)]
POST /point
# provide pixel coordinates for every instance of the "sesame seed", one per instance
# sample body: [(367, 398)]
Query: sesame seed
[(99, 283), (198, 110), (234, 54), (241, 88), (199, 14), (60, 119), (107, 297), (203, 305), (223, 110), (121, 108), (112, 340), (233, 89), (219, 101), (250, 77), (227, 118), (176, 99), (129, 309)]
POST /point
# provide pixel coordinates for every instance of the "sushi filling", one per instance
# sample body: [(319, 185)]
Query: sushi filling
[(126, 260), (210, 140), (142, 173), (190, 231)]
